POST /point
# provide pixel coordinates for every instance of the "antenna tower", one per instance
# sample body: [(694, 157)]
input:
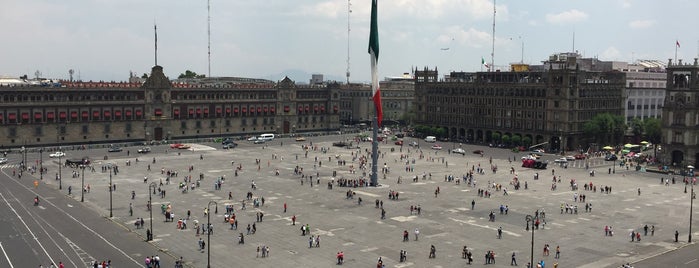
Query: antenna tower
[(349, 11), (208, 31), (492, 52)]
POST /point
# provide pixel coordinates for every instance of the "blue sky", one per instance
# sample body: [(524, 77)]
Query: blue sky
[(105, 39)]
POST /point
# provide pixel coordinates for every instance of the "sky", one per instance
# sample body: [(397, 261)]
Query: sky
[(107, 39)]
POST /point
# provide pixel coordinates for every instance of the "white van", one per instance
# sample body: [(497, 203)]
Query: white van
[(266, 137), (430, 139)]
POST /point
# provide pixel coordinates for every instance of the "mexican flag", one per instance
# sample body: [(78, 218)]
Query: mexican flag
[(374, 54), (484, 63)]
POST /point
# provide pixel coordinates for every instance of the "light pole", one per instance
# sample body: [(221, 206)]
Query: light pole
[(82, 184), (60, 175), (208, 232), (691, 206), (150, 208), (531, 219), (109, 168), (41, 163)]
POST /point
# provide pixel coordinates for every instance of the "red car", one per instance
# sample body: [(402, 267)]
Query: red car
[(580, 156), (399, 142), (176, 145)]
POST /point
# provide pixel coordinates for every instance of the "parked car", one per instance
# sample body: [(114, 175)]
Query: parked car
[(436, 147), (184, 146), (538, 150), (3, 160), (144, 150), (176, 145), (413, 143), (459, 151), (301, 138), (57, 154), (258, 141), (399, 142), (610, 157), (114, 149), (253, 138), (478, 151), (580, 156), (230, 145), (570, 158)]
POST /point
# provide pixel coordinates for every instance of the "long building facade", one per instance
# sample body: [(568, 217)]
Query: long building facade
[(90, 112), (547, 107), (680, 121)]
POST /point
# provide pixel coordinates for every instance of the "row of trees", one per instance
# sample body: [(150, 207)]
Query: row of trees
[(607, 128), (515, 139), (190, 74)]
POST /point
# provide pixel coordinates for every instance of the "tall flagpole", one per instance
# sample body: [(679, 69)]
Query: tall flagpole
[(155, 30), (376, 92)]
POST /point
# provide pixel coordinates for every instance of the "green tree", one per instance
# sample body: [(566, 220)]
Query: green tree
[(653, 129), (496, 137), (605, 128), (516, 140), (144, 76), (636, 126), (527, 141), (190, 74), (506, 139)]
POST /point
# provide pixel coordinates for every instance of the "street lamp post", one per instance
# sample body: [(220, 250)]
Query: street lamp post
[(531, 219), (41, 163), (109, 168), (208, 232), (150, 208), (691, 206), (60, 174), (82, 184)]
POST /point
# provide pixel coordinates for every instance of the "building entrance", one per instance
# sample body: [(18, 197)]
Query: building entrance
[(158, 133)]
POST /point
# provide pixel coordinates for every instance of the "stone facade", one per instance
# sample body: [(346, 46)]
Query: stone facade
[(680, 147)]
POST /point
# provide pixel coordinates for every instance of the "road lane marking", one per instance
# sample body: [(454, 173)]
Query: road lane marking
[(6, 257), (26, 226)]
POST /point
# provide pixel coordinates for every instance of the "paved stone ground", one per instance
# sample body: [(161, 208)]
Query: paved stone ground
[(446, 221)]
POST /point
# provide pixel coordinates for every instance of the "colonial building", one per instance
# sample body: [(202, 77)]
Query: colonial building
[(681, 115), (88, 112), (397, 96), (547, 106)]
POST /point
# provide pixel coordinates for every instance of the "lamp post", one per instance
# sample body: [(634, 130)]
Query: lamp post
[(531, 219), (109, 168), (150, 208), (691, 206), (41, 163), (60, 174), (208, 232), (82, 184)]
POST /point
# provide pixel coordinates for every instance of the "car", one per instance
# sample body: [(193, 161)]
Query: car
[(478, 151), (436, 147), (230, 145), (57, 154), (570, 158), (253, 138), (176, 145), (258, 141), (226, 141), (561, 160), (144, 150), (538, 150), (399, 142), (610, 157), (580, 156), (114, 149), (459, 151), (3, 160), (413, 143), (184, 146), (300, 138)]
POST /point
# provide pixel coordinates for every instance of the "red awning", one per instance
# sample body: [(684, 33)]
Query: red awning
[(158, 112), (176, 112), (95, 113), (198, 111), (235, 110), (0, 117), (117, 113), (315, 108), (128, 113), (245, 109), (50, 115), (322, 108), (37, 116), (139, 113), (107, 114), (265, 109), (307, 108), (74, 115), (286, 109), (218, 110), (271, 109), (191, 111), (62, 115), (335, 108), (228, 110), (12, 116), (206, 110), (300, 108), (25, 116), (85, 114), (259, 109)]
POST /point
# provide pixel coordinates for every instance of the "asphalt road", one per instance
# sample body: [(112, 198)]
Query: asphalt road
[(61, 229)]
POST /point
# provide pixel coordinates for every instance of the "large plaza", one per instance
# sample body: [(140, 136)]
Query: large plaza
[(446, 221)]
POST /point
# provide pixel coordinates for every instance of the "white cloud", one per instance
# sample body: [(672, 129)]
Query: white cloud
[(572, 15), (471, 37), (611, 53), (641, 24), (414, 9), (626, 3)]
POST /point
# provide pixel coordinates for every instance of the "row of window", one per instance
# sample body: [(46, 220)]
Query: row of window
[(12, 117)]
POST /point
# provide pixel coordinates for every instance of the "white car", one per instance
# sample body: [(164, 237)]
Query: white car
[(3, 160), (561, 160), (57, 154), (436, 147), (459, 151), (253, 138), (570, 158)]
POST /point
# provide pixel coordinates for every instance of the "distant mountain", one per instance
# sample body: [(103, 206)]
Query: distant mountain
[(301, 76)]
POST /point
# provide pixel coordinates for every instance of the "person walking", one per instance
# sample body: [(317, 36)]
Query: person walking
[(558, 252), (500, 232), (514, 260), (417, 234), (677, 234)]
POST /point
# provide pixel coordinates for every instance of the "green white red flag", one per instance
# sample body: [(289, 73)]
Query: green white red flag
[(374, 54)]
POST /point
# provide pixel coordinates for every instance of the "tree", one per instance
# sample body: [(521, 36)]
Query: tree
[(527, 141), (144, 76), (506, 139), (636, 126), (190, 74), (516, 139), (605, 128), (653, 129), (496, 137)]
